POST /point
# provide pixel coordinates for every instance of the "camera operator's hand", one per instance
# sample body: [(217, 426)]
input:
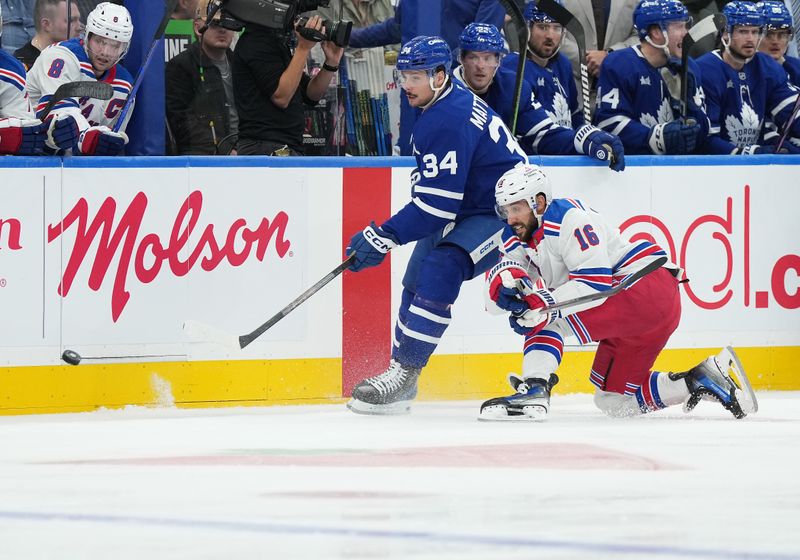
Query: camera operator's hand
[(333, 53), (314, 22)]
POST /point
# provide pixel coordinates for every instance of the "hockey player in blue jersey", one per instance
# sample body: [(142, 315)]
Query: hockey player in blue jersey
[(95, 57), (777, 34), (745, 87), (549, 72), (481, 49), (462, 147), (634, 91)]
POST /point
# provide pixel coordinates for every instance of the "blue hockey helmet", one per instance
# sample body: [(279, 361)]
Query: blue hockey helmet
[(533, 14), (482, 37), (425, 53), (657, 12), (776, 14), (742, 13)]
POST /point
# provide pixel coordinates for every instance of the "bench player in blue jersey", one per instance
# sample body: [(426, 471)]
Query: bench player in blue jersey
[(547, 71), (570, 250), (462, 147), (634, 96), (778, 31), (744, 88), (481, 48), (778, 26)]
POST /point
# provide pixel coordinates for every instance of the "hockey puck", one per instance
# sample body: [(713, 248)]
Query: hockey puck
[(71, 357)]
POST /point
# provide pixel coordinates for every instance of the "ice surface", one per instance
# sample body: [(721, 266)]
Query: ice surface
[(319, 482)]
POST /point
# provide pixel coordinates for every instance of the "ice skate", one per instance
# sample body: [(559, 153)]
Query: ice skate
[(530, 402), (720, 378), (391, 392)]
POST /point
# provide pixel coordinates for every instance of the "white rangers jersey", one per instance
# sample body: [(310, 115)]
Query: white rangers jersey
[(576, 253), (65, 62), (14, 100)]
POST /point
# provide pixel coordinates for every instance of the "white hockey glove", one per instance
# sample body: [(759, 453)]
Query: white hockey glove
[(536, 318), (101, 141)]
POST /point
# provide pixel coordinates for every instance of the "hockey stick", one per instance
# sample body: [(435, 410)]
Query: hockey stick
[(95, 90), (512, 9), (568, 22), (170, 7), (788, 127), (623, 285), (246, 339), (712, 24)]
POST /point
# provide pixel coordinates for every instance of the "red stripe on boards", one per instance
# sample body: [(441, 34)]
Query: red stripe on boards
[(366, 295)]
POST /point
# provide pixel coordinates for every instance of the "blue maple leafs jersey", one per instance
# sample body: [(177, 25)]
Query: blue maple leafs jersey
[(792, 66), (738, 102), (553, 86), (462, 147), (536, 132), (13, 97), (632, 97)]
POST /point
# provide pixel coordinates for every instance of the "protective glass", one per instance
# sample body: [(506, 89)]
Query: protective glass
[(555, 28), (412, 78)]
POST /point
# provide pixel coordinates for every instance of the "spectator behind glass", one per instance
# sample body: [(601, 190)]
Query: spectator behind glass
[(361, 12), (50, 17), (271, 87), (201, 111), (18, 27)]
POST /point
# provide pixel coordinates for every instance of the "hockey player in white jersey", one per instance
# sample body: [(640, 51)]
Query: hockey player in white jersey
[(572, 251), (481, 50), (462, 147), (745, 87), (634, 100), (21, 133), (95, 57)]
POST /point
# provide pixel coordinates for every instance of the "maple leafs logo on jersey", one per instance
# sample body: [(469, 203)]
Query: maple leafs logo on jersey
[(560, 114), (744, 131), (664, 115)]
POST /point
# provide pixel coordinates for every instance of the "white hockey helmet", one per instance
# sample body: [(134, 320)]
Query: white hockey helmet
[(522, 182), (111, 21)]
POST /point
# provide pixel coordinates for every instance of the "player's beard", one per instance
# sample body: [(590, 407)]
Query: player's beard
[(525, 228)]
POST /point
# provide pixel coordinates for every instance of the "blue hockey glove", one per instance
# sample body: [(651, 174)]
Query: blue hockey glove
[(674, 138), (600, 145), (23, 137), (536, 318), (62, 132), (370, 247), (101, 141)]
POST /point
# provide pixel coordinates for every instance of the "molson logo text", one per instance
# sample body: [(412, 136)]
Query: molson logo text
[(148, 253)]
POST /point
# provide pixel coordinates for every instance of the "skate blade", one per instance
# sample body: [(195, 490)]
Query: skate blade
[(729, 364), (500, 414), (394, 409)]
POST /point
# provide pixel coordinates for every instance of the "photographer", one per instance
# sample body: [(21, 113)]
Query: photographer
[(271, 86)]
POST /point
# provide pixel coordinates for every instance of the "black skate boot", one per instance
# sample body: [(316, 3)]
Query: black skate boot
[(391, 392), (720, 378), (530, 402)]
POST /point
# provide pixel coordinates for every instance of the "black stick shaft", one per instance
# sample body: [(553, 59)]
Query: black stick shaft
[(638, 275), (513, 10), (246, 339)]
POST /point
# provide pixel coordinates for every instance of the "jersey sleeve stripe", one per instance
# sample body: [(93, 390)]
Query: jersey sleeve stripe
[(12, 78), (438, 192), (433, 211), (779, 107), (620, 119), (642, 250), (552, 229)]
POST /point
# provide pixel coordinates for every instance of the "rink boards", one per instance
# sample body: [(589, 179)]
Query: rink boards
[(109, 257)]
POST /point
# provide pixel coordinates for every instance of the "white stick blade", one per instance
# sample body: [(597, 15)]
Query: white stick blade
[(206, 333)]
